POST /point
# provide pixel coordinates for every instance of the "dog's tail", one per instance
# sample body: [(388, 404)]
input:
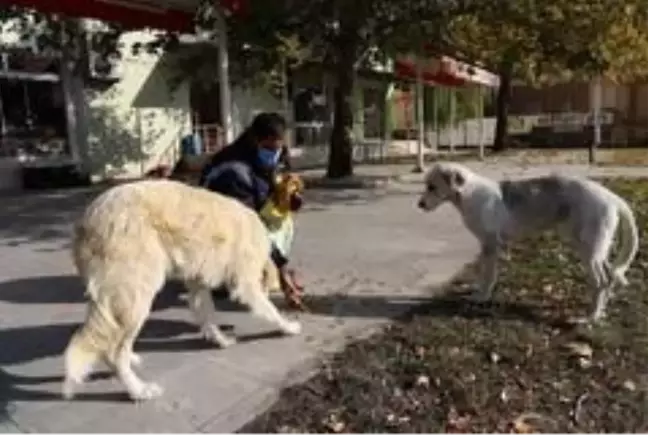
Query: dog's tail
[(629, 238), (93, 341)]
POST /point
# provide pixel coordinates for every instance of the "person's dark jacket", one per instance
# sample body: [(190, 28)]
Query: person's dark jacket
[(234, 172), (242, 149)]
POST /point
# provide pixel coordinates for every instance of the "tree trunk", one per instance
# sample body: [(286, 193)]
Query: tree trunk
[(502, 110), (340, 163)]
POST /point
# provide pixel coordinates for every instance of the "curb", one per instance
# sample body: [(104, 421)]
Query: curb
[(359, 181)]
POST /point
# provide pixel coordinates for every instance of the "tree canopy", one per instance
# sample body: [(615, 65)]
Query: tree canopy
[(535, 41), (342, 36), (60, 34), (554, 41)]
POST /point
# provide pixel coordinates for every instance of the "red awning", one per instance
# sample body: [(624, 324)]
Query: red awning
[(130, 13), (407, 69)]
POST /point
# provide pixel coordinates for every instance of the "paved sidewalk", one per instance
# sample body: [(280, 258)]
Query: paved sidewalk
[(379, 175), (366, 256)]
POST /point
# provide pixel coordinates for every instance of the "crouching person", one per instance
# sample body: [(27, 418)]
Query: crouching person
[(247, 170)]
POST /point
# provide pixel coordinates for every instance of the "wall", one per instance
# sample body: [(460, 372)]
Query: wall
[(566, 97), (136, 123), (247, 102)]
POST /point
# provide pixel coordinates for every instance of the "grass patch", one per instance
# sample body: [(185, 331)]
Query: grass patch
[(515, 365)]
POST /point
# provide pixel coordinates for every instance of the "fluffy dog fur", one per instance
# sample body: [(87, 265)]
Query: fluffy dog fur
[(135, 236), (584, 210)]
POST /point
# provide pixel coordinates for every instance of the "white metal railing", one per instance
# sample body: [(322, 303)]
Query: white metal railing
[(212, 136)]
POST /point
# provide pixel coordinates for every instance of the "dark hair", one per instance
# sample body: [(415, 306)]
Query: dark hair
[(267, 125)]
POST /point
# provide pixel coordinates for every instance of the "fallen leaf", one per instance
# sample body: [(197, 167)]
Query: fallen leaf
[(423, 381), (457, 423), (584, 363), (336, 426), (530, 422), (579, 349), (629, 385)]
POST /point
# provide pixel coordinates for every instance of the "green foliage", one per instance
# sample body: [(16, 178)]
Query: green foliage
[(59, 34), (466, 104), (553, 40)]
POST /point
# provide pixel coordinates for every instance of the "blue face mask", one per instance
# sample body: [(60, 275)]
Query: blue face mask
[(268, 158)]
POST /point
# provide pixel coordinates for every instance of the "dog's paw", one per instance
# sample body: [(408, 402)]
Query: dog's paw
[(146, 391), (226, 342), (214, 335), (68, 389), (291, 327)]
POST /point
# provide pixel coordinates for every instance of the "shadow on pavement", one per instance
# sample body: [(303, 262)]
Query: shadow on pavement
[(41, 216), (57, 289), (47, 216), (69, 289), (66, 289), (21, 345)]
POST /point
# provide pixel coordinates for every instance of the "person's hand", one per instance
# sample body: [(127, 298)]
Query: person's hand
[(293, 277), (293, 291)]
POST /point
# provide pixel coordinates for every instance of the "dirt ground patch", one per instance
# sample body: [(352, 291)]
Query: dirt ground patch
[(515, 365), (604, 157)]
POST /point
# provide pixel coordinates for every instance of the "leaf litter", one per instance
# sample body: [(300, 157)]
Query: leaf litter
[(517, 365)]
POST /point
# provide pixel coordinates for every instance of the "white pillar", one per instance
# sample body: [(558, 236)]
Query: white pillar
[(223, 79), (453, 110), (420, 119), (437, 127), (387, 114)]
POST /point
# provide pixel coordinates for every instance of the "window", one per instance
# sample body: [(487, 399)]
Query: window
[(32, 107)]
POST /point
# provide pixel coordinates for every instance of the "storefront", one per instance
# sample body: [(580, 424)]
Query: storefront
[(33, 121), (41, 122)]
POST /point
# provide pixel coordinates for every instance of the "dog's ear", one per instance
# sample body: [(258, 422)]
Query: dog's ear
[(453, 179), (459, 179), (300, 184), (296, 181)]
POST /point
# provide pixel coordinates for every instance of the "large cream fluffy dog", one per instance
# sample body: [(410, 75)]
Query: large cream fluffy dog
[(135, 236), (589, 214)]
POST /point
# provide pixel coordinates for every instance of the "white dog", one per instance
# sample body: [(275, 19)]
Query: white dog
[(135, 236), (495, 212)]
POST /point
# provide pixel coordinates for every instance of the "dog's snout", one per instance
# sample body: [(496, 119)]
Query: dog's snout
[(296, 202), (421, 204)]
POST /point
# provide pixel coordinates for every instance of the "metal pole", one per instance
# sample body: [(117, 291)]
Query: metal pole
[(453, 109), (465, 124), (437, 124), (223, 78), (387, 109), (480, 96), (596, 103), (420, 159)]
